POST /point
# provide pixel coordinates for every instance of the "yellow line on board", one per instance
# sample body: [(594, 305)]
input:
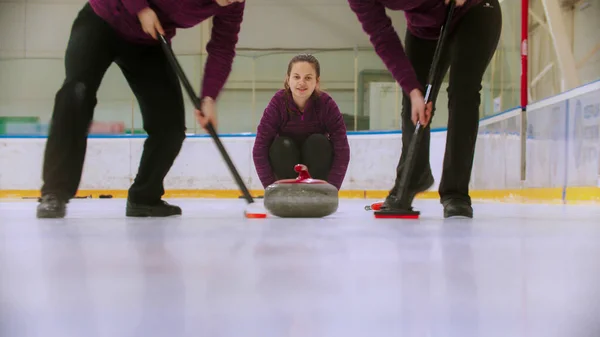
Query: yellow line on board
[(527, 195)]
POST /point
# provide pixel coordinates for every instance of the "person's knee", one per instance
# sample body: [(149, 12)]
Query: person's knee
[(317, 142), (172, 139), (283, 147), (465, 99), (284, 143), (79, 91), (317, 138), (465, 87), (73, 107), (170, 131), (76, 93)]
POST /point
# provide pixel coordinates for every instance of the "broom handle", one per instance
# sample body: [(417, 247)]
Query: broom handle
[(211, 130)]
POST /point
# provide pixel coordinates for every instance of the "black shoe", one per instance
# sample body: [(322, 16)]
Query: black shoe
[(51, 207), (392, 201), (161, 209), (457, 208)]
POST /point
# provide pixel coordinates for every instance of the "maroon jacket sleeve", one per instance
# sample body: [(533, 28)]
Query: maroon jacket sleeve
[(221, 48), (334, 122), (265, 134), (377, 24), (134, 6)]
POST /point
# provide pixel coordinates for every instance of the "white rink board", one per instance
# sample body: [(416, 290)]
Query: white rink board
[(563, 147)]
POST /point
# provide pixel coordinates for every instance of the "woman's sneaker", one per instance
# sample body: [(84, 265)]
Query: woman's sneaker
[(392, 202), (160, 209), (51, 207), (457, 208)]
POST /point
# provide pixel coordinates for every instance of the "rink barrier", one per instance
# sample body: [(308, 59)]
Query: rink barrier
[(563, 147)]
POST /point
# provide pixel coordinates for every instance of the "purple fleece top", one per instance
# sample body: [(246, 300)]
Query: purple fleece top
[(424, 19), (321, 115), (173, 14)]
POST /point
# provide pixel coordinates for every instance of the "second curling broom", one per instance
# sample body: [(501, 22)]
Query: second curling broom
[(252, 211), (405, 210)]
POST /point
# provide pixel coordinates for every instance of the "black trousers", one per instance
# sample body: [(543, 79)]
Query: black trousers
[(315, 152), (468, 53), (93, 46)]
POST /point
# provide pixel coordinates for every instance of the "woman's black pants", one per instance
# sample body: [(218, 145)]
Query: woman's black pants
[(468, 53), (93, 46), (315, 152)]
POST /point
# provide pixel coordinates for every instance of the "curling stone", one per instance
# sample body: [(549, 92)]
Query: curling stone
[(303, 197)]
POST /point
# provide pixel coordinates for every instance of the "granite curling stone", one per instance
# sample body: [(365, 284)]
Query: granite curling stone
[(303, 197)]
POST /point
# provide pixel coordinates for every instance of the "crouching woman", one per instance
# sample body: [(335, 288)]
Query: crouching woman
[(301, 125)]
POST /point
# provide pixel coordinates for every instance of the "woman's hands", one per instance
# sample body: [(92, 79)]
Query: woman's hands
[(208, 113), (420, 112), (150, 23)]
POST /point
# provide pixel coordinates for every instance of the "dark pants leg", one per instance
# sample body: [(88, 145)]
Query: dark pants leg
[(90, 51), (93, 46), (315, 152), (284, 154), (473, 45), (468, 53), (159, 95), (420, 53), (317, 155)]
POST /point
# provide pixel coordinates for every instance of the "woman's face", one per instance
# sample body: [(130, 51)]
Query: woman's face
[(303, 80)]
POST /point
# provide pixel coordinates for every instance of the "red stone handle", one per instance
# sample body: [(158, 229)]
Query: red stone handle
[(302, 172), (302, 178)]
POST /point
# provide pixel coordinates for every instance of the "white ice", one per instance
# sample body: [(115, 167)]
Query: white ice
[(514, 270)]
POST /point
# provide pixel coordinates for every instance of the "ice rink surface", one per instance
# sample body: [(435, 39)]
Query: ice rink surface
[(514, 270)]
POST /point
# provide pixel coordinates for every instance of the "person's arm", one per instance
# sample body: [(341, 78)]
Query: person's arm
[(334, 122), (135, 6), (221, 49), (377, 24), (265, 134)]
